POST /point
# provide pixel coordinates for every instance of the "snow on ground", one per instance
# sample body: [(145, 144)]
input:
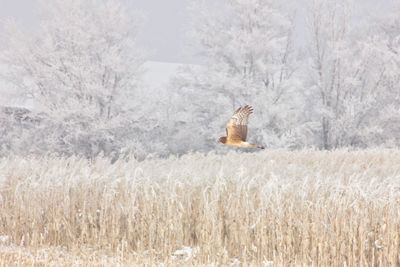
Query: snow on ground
[(158, 74)]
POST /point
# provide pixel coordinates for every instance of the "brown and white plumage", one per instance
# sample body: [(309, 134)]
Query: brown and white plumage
[(236, 129)]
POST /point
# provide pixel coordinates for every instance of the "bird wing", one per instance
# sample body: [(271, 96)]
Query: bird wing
[(236, 128)]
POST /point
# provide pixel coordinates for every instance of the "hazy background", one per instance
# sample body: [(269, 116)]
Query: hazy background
[(164, 31), (86, 78)]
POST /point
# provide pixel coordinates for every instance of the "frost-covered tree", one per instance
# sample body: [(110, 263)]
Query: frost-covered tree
[(384, 42), (83, 58), (82, 68), (249, 59), (344, 79)]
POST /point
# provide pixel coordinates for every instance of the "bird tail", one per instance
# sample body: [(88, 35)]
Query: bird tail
[(248, 145)]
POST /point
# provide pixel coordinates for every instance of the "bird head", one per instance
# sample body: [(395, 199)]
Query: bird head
[(222, 139)]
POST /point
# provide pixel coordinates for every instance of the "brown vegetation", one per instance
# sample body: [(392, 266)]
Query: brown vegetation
[(274, 208)]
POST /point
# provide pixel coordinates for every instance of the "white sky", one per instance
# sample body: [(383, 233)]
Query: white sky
[(163, 33)]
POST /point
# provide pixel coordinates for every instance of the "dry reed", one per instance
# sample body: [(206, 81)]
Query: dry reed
[(273, 208)]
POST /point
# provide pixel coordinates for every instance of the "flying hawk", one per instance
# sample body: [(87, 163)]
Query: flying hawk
[(236, 129)]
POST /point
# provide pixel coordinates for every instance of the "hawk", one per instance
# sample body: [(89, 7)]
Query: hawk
[(236, 129)]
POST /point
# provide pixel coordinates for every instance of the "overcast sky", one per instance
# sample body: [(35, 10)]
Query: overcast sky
[(163, 33)]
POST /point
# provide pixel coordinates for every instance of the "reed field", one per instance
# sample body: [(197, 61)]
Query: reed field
[(272, 208)]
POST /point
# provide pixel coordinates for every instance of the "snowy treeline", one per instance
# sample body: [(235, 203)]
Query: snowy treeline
[(82, 69), (336, 86)]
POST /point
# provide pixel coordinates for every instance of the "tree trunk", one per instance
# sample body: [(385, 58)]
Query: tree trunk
[(325, 133)]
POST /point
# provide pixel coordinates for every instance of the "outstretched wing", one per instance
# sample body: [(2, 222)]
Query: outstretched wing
[(236, 129)]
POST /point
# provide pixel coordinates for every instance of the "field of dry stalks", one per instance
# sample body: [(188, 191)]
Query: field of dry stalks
[(273, 208)]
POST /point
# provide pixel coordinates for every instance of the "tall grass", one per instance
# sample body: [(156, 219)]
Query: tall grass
[(274, 208)]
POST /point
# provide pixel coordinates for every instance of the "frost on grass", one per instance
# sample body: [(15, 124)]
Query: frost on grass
[(274, 207), (185, 253)]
